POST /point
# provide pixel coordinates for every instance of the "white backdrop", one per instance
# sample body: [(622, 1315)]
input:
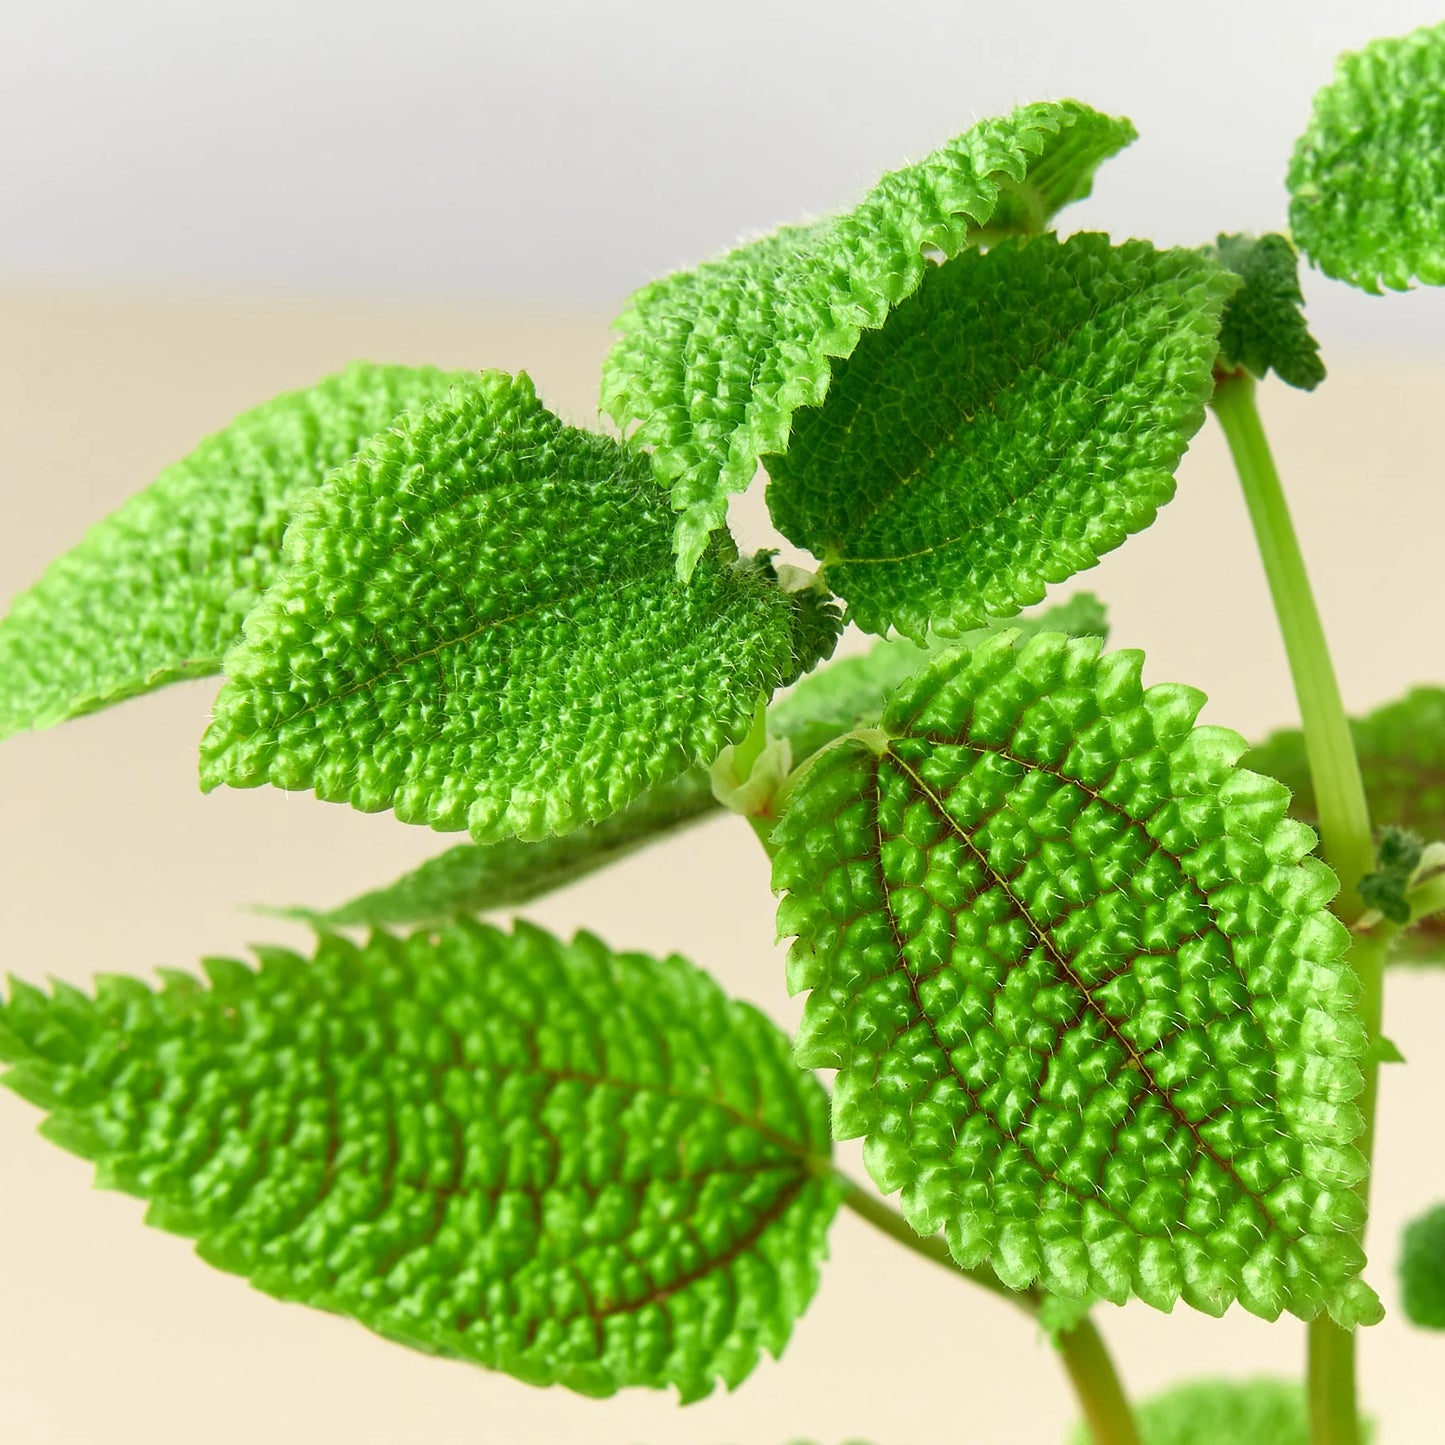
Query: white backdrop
[(565, 152)]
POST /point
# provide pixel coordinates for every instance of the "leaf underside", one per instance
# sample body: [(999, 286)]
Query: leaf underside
[(1264, 327), (1020, 415), (1367, 179), (1082, 987), (1401, 747), (475, 878), (580, 1167), (713, 362), (477, 625), (852, 692), (158, 590), (1422, 1270)]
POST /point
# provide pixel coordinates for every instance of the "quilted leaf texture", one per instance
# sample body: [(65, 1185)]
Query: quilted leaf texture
[(581, 1167), (1020, 415), (1422, 1270), (1367, 179), (475, 878), (713, 363), (1223, 1412), (158, 590), (852, 692), (477, 625), (1080, 982), (1264, 327)]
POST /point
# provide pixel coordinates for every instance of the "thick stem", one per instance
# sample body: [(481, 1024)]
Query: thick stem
[(1086, 1357), (1345, 835)]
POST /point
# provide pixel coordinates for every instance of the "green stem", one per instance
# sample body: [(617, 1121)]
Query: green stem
[(868, 1206), (1347, 841), (1345, 834), (1086, 1357), (1096, 1383)]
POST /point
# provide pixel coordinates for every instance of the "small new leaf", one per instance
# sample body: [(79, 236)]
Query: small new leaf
[(714, 362), (581, 1167), (1396, 856), (475, 878), (477, 625), (157, 591), (1367, 180), (1264, 326), (1082, 987), (1020, 415), (1422, 1270)]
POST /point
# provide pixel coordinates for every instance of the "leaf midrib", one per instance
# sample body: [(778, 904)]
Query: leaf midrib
[(987, 405), (1063, 966)]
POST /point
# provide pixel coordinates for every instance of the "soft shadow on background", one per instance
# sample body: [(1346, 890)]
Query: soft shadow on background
[(168, 165)]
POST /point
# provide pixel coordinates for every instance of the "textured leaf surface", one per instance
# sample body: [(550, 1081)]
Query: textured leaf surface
[(580, 1167), (476, 878), (1367, 180), (1264, 326), (1422, 1270), (852, 691), (477, 625), (1080, 981), (713, 362), (1401, 747), (1223, 1412), (1019, 416), (158, 590)]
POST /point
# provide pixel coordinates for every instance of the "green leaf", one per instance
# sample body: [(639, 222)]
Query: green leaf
[(1384, 1050), (713, 362), (157, 591), (1422, 1270), (1401, 747), (581, 1167), (1223, 1412), (1367, 180), (1264, 326), (475, 878), (477, 625), (1020, 415), (852, 691), (1080, 981), (1397, 855)]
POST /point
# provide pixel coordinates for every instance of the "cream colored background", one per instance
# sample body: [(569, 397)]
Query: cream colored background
[(111, 860)]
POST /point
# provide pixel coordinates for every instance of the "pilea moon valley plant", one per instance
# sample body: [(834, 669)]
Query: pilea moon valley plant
[(1099, 988)]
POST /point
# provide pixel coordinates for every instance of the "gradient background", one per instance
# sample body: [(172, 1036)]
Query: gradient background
[(203, 206)]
